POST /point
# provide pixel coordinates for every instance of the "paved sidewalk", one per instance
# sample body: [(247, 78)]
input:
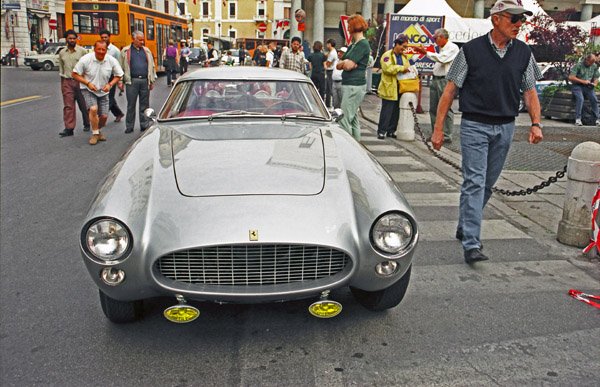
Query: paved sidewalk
[(537, 214)]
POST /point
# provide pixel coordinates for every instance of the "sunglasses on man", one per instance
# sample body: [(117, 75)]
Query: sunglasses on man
[(514, 19)]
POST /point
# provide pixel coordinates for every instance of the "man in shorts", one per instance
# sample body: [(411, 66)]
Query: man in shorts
[(93, 71)]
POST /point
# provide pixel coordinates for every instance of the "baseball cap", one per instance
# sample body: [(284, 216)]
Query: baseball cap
[(343, 49), (514, 7)]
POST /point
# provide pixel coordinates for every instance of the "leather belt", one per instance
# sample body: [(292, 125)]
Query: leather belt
[(439, 77), (140, 77)]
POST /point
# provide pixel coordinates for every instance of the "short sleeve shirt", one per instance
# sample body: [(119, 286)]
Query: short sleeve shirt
[(581, 71), (317, 61), (358, 53), (97, 72), (459, 69), (332, 57)]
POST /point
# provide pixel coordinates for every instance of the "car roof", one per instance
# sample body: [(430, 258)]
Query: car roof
[(248, 73)]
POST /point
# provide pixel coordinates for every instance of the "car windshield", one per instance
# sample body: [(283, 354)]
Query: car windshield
[(51, 50), (223, 98), (554, 74), (195, 51)]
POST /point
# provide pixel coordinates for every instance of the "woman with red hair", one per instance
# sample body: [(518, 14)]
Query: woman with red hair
[(354, 83)]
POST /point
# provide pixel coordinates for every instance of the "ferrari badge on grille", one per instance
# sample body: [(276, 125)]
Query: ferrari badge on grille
[(253, 235)]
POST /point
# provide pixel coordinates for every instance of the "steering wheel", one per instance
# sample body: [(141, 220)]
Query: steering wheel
[(283, 105)]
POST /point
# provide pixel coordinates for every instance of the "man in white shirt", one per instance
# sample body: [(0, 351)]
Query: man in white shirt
[(115, 53), (336, 77), (93, 71), (271, 54), (443, 61), (332, 58)]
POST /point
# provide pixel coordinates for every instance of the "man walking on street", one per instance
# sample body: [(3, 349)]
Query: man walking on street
[(443, 60), (93, 70), (489, 71), (331, 59), (293, 59), (115, 53), (139, 75), (584, 77), (71, 92)]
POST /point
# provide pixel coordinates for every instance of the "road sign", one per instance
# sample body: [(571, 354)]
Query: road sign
[(262, 27), (347, 36), (52, 24)]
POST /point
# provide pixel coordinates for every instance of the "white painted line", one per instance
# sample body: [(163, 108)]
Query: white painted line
[(418, 177), (490, 229), (449, 199), (499, 277)]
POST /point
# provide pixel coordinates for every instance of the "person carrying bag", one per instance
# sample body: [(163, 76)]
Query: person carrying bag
[(171, 56), (396, 78)]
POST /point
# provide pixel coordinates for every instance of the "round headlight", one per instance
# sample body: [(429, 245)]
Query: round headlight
[(107, 239), (392, 233)]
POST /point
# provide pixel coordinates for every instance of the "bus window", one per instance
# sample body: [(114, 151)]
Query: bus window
[(139, 25), (93, 22), (149, 28), (250, 46), (160, 45), (131, 23), (179, 32)]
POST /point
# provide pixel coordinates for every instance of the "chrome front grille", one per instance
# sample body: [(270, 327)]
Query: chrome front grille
[(252, 264)]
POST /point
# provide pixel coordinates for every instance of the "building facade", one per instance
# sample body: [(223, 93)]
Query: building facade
[(27, 21), (222, 21)]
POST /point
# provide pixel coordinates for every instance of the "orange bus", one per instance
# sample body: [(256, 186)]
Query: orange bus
[(87, 18)]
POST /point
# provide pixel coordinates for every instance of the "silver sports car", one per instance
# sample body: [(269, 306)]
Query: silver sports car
[(247, 190)]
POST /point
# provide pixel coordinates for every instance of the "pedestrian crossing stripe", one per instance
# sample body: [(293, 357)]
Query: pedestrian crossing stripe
[(444, 230)]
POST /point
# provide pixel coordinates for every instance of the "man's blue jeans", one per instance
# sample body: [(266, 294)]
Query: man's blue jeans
[(579, 91), (484, 151)]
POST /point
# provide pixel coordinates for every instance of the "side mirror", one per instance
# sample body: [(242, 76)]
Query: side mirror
[(151, 114), (337, 114)]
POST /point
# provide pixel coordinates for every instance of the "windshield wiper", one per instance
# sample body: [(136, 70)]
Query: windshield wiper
[(234, 113), (300, 115)]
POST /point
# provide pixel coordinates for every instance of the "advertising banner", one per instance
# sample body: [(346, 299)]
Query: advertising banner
[(419, 30)]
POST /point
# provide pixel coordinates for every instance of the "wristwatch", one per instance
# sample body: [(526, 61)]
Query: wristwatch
[(538, 125)]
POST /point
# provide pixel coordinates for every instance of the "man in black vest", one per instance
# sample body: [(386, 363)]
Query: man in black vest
[(488, 72)]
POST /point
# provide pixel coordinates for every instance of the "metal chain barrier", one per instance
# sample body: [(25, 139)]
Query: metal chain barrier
[(523, 192)]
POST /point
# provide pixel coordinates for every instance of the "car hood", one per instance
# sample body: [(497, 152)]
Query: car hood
[(258, 166)]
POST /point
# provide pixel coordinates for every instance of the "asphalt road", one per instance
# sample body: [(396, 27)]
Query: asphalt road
[(508, 323)]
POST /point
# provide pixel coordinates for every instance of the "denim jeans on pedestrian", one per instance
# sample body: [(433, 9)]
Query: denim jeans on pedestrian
[(579, 91), (484, 151)]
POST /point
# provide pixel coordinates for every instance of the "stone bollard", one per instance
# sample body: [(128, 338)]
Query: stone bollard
[(583, 175), (406, 123)]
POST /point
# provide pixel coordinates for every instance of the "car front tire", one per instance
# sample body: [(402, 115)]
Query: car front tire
[(48, 65), (386, 298), (120, 311)]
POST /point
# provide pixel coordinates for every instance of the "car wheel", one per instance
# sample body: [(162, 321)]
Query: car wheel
[(383, 299), (120, 311), (48, 65)]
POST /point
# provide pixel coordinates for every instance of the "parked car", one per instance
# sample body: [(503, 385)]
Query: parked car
[(47, 60), (245, 190), (198, 55), (552, 76), (235, 53)]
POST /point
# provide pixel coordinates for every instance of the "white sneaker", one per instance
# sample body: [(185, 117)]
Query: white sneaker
[(578, 122), (597, 122)]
